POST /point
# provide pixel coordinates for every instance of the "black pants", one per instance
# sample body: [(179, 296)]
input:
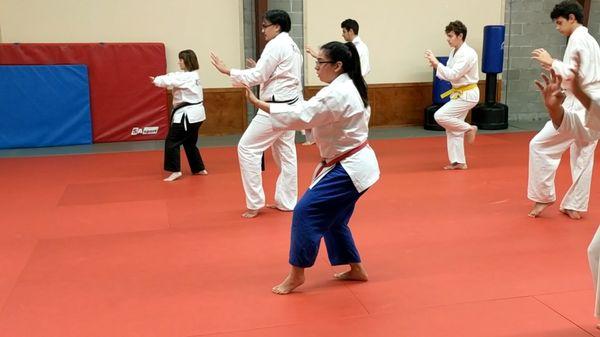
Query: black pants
[(179, 136)]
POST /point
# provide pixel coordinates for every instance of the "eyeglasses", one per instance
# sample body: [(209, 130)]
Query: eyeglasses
[(266, 25), (318, 63)]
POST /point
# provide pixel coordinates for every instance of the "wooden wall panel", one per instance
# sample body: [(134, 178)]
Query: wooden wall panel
[(399, 104), (225, 111)]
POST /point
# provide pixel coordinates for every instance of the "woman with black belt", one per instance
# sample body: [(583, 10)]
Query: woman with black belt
[(187, 116)]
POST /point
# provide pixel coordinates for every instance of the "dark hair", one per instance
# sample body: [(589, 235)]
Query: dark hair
[(458, 28), (348, 55), (565, 8), (189, 59), (350, 24), (280, 18)]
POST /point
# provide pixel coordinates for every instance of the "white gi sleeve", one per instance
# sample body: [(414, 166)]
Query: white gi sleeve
[(462, 64), (265, 66), (321, 109), (592, 117), (170, 80)]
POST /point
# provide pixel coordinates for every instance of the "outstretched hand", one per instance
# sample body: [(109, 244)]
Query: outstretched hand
[(250, 63), (551, 89), (219, 64), (312, 52), (251, 97), (430, 57), (262, 105), (553, 96), (543, 57)]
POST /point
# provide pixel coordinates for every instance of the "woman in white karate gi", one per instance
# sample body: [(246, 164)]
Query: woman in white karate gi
[(462, 72), (279, 72), (187, 116), (339, 117)]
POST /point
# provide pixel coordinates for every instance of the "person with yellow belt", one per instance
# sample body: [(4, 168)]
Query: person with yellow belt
[(462, 72)]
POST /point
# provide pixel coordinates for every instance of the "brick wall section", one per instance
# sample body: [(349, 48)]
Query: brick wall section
[(528, 26), (295, 9)]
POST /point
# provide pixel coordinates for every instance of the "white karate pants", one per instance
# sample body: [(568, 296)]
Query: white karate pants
[(451, 116), (545, 151), (257, 138)]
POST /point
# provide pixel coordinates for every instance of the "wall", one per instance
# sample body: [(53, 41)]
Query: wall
[(398, 32), (180, 24), (529, 27)]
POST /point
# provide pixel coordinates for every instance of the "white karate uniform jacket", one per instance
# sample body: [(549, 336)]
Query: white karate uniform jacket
[(460, 70), (586, 46), (339, 122), (186, 87), (363, 53), (278, 71)]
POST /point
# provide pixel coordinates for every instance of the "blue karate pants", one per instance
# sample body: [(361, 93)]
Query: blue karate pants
[(324, 212)]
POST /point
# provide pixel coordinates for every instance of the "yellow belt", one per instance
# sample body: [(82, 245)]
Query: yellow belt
[(458, 90)]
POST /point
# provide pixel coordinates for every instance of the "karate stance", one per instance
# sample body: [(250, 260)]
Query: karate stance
[(567, 129), (553, 96), (463, 73), (278, 71), (187, 116), (339, 116)]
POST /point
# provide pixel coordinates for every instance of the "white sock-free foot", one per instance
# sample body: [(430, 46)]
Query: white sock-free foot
[(174, 176)]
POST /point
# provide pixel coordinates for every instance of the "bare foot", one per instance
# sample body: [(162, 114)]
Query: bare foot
[(598, 326), (471, 134), (279, 208), (307, 143), (201, 173), (456, 166), (294, 279), (575, 215), (174, 176), (251, 213), (356, 273), (538, 208)]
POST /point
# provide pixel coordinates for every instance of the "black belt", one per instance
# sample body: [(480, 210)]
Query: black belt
[(184, 118), (289, 101), (183, 105)]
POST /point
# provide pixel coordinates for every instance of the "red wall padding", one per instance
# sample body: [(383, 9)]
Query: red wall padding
[(121, 93)]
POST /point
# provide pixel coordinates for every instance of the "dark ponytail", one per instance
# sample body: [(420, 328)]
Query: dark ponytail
[(348, 55)]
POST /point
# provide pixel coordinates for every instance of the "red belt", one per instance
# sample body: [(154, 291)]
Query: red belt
[(339, 158)]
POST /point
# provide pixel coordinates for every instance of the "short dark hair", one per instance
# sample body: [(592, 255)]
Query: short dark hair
[(567, 7), (280, 18), (189, 59), (458, 28), (350, 24)]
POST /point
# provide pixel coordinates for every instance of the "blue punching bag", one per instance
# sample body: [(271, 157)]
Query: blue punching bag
[(491, 115), (439, 87)]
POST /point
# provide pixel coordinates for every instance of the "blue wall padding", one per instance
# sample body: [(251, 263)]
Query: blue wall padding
[(44, 106), (493, 49)]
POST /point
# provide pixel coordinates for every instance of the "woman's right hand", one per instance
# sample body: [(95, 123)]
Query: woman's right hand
[(250, 63)]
